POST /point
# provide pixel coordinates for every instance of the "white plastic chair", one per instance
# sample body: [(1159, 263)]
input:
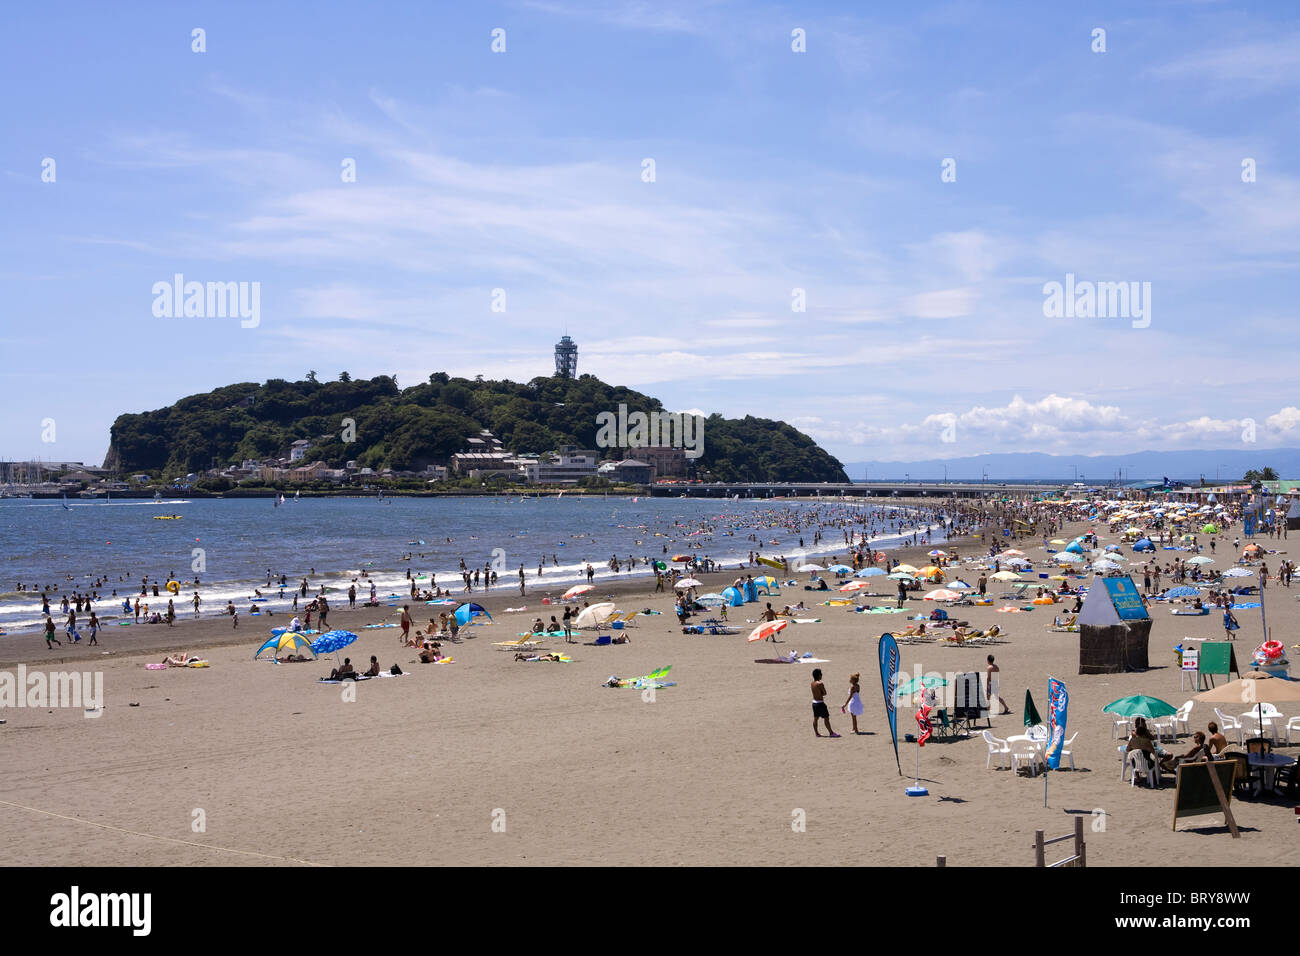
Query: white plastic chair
[(1026, 751), (1270, 718), (1066, 752), (1123, 755), (1136, 762), (1182, 719), (1292, 724), (1227, 722), (1120, 729), (998, 748)]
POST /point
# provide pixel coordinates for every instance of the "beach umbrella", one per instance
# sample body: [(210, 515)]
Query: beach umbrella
[(332, 641), (1058, 541), (902, 576), (936, 553), (1012, 552), (1140, 705), (1183, 590), (1254, 687), (1018, 562), (468, 610), (840, 569), (1238, 573), (918, 684), (905, 568), (687, 583), (1031, 712), (943, 594), (1112, 547), (810, 567), (1066, 557), (870, 572), (1006, 576), (1200, 559), (590, 616), (290, 641), (711, 599), (961, 586), (854, 586), (767, 629), (576, 590), (930, 571)]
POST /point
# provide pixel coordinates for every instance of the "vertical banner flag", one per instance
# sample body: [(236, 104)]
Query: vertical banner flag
[(1058, 700), (923, 721), (889, 683)]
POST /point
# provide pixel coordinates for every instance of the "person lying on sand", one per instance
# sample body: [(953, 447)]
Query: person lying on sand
[(292, 659), (431, 654)]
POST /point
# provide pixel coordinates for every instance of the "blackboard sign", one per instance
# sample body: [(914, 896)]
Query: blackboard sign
[(1218, 657), (1195, 793)]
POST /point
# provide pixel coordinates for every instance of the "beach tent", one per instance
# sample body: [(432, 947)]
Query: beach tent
[(467, 611), (1114, 627), (1143, 544), (751, 592), (733, 597), (1293, 516), (291, 642), (766, 584)]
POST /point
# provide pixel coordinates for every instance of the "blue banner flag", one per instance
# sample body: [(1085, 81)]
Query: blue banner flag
[(889, 683), (1058, 702)]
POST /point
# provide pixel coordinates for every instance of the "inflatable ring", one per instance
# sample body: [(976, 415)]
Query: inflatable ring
[(174, 587), (1272, 649)]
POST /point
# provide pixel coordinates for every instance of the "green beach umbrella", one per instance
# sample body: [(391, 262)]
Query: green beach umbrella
[(1140, 705), (916, 684), (1031, 712)]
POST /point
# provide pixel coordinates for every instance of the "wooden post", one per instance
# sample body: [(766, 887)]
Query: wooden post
[(1079, 849), (941, 861), (1040, 858)]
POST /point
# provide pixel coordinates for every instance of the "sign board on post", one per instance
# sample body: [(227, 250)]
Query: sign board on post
[(1191, 658), (1126, 598)]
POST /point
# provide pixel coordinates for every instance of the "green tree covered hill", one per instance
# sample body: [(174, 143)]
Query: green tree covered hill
[(407, 429)]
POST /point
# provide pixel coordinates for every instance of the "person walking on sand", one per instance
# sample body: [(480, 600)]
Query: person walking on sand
[(819, 703), (94, 629), (1229, 622), (352, 597), (50, 639), (854, 703), (992, 686), (902, 592), (406, 624), (324, 608)]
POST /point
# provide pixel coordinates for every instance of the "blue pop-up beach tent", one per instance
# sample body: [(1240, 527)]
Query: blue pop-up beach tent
[(733, 597)]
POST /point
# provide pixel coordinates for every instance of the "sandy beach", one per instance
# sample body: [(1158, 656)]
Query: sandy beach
[(492, 761)]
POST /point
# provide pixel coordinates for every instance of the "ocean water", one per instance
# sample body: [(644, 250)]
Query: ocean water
[(229, 544)]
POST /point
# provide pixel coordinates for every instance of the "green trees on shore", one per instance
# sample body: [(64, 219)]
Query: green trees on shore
[(380, 426)]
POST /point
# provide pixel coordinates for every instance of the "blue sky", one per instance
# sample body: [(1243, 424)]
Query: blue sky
[(924, 334)]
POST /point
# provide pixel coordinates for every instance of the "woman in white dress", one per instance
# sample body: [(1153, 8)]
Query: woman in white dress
[(854, 704)]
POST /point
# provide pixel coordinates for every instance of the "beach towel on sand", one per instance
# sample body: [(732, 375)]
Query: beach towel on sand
[(326, 680), (786, 660)]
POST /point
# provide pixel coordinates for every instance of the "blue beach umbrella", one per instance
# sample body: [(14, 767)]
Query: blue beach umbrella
[(1183, 590), (870, 572), (332, 641)]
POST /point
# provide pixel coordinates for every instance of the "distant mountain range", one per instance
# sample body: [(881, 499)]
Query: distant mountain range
[(1094, 469)]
